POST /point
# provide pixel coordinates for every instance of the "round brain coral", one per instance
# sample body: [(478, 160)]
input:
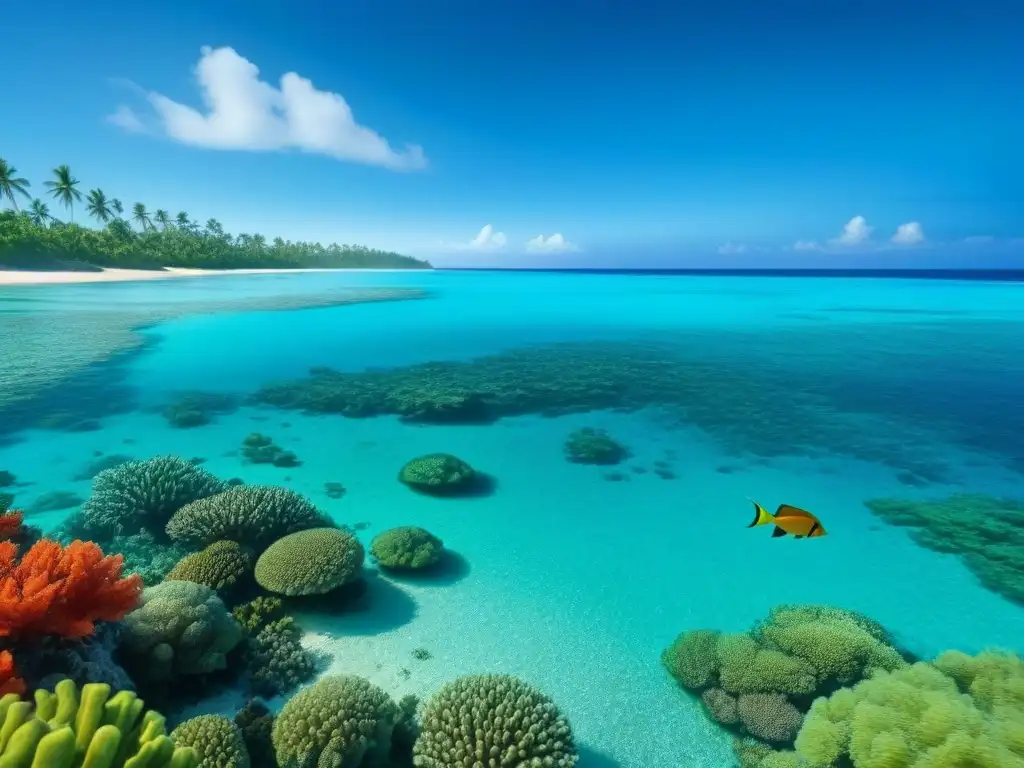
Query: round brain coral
[(216, 740), (438, 474), (310, 562), (221, 566), (338, 722), (253, 515), (496, 717), (144, 494), (407, 548)]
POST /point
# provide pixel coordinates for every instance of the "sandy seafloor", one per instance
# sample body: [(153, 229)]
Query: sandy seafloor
[(569, 580)]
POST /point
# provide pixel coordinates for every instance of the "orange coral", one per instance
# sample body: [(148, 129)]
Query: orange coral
[(57, 590), (10, 524), (9, 680)]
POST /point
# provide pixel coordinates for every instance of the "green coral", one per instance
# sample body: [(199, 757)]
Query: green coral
[(144, 494), (747, 667), (88, 728), (406, 548), (253, 515), (278, 661), (499, 716), (918, 717), (179, 628), (769, 716), (692, 658), (221, 566), (217, 741), (311, 562), (257, 613), (257, 724), (594, 446), (438, 474), (338, 722), (986, 531)]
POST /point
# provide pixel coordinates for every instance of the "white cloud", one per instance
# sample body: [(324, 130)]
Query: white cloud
[(910, 233), (486, 240), (246, 113), (730, 248), (855, 232), (126, 120), (806, 245), (553, 244)]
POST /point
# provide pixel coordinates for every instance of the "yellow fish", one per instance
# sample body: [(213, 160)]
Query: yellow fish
[(787, 519)]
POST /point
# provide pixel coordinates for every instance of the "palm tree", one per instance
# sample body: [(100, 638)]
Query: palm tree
[(117, 207), (141, 217), (214, 227), (181, 220), (39, 213), (64, 188), (98, 206), (162, 218), (11, 184)]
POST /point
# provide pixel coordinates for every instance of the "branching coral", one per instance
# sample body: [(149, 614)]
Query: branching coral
[(222, 566), (257, 724), (144, 494), (10, 682), (56, 590), (278, 661), (88, 728), (257, 613), (406, 548), (10, 524), (339, 721), (181, 628), (497, 716), (216, 740), (311, 562), (253, 515)]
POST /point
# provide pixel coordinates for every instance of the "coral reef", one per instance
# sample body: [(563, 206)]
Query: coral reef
[(217, 741), (10, 680), (97, 465), (406, 548), (310, 562), (438, 474), (987, 532), (253, 515), (89, 728), (180, 628), (144, 494), (257, 725), (48, 660), (195, 409), (277, 660), (339, 721), (594, 446), (14, 530), (515, 723), (260, 449), (257, 613), (55, 590), (223, 566)]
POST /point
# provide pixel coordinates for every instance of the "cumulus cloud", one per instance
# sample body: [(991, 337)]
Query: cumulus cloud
[(553, 244), (243, 112), (855, 232), (487, 239), (910, 233), (806, 245), (730, 248)]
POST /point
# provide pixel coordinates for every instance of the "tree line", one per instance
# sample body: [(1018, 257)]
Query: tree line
[(32, 237)]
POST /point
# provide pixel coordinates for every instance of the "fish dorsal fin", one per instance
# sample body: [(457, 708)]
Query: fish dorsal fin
[(778, 532), (785, 510)]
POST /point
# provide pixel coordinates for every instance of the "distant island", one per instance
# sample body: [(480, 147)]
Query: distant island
[(33, 239)]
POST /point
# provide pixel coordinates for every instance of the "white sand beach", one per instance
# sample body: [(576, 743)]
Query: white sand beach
[(113, 275)]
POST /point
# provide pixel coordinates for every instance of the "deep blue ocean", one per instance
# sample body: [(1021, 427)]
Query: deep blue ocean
[(820, 392)]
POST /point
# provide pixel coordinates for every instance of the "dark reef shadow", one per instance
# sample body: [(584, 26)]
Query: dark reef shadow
[(369, 606), (483, 485), (591, 758), (451, 569)]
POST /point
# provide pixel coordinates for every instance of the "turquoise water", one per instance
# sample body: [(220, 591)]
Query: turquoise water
[(822, 393)]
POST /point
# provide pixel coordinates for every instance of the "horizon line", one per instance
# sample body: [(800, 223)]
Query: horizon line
[(1012, 274)]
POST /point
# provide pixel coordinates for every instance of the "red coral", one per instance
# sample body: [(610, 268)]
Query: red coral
[(61, 591), (10, 524), (9, 680)]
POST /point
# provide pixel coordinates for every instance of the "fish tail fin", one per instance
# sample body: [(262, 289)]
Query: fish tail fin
[(761, 515)]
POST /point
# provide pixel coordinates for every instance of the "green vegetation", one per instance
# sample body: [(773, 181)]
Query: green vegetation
[(34, 239)]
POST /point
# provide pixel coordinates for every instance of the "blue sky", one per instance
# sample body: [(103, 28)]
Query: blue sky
[(544, 132)]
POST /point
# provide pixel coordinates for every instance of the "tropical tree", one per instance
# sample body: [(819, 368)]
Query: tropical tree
[(162, 218), (141, 217), (98, 206), (181, 220), (39, 213), (214, 227), (64, 188), (10, 184), (117, 206)]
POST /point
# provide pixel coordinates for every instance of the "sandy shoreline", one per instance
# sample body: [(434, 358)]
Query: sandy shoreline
[(113, 275)]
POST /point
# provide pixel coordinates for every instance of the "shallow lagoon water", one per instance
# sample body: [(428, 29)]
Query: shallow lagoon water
[(570, 580)]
